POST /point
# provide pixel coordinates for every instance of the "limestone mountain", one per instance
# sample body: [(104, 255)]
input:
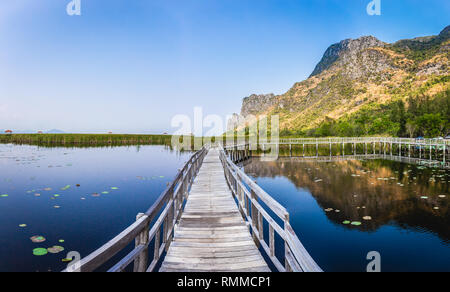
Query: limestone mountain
[(363, 75)]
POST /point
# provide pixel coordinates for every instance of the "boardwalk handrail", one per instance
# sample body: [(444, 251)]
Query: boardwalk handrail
[(169, 207), (248, 194), (422, 141)]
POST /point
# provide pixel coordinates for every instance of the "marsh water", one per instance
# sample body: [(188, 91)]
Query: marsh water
[(342, 210), (74, 198), (79, 198)]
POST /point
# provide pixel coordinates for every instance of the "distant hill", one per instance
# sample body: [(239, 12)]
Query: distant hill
[(367, 87), (55, 131)]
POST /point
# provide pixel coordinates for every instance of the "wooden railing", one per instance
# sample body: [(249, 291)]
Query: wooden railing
[(167, 209), (249, 195), (334, 140)]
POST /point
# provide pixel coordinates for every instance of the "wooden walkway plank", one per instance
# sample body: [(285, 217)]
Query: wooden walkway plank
[(212, 235)]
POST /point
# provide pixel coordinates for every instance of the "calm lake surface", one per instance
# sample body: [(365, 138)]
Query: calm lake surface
[(38, 187), (408, 205)]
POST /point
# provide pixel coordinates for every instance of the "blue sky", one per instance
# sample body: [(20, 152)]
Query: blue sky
[(129, 66)]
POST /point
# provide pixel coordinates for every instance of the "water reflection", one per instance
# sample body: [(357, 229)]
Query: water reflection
[(381, 191)]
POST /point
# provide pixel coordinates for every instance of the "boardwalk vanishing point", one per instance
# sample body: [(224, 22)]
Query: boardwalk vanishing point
[(209, 219)]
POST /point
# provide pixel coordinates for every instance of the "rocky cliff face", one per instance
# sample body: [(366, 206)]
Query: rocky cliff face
[(345, 52), (254, 104), (355, 73)]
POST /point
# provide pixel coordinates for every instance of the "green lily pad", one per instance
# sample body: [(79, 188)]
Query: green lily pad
[(40, 251), (4, 195), (37, 239), (346, 222), (61, 240), (55, 249), (65, 188), (105, 192), (56, 195), (356, 223), (66, 260), (114, 188)]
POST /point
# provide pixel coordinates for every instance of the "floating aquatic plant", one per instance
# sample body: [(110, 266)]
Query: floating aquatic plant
[(37, 239), (40, 251), (55, 249), (65, 188), (356, 223), (346, 222)]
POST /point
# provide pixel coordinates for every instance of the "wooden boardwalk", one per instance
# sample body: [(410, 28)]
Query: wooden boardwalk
[(212, 235)]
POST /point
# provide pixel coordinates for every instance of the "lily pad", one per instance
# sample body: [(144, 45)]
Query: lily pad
[(424, 197), (105, 192), (55, 249), (356, 223), (66, 260), (4, 195), (22, 225), (40, 251), (346, 222), (37, 239), (61, 240), (56, 195), (65, 188), (114, 188)]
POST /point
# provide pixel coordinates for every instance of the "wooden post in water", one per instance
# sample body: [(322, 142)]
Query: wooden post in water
[(140, 263), (443, 151)]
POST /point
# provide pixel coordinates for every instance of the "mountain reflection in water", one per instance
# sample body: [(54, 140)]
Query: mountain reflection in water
[(384, 192)]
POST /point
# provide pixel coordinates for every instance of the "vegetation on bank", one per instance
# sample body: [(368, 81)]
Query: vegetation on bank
[(86, 139), (98, 140), (416, 116)]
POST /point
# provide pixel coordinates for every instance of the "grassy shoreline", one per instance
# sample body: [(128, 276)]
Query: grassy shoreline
[(86, 139)]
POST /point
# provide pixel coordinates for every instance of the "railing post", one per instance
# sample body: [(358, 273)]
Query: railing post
[(140, 263), (271, 240), (286, 246), (255, 219)]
